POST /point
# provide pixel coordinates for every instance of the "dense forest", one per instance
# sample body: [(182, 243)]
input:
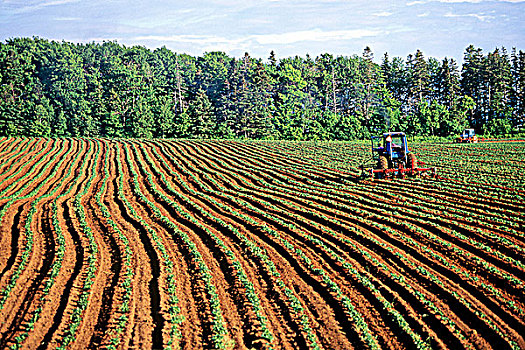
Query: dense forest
[(50, 88)]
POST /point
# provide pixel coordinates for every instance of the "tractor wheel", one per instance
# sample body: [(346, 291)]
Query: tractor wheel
[(383, 165), (411, 161)]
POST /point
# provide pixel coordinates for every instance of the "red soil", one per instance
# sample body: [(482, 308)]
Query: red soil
[(297, 258)]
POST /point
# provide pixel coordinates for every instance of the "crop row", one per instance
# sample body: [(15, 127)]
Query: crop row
[(259, 245), (60, 249), (296, 193)]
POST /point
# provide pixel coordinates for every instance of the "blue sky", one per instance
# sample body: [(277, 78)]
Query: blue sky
[(289, 27)]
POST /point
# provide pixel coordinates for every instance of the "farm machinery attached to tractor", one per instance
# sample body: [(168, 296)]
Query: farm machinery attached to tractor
[(393, 158)]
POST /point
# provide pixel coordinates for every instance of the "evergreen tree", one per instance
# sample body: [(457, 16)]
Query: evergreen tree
[(16, 87), (111, 126), (290, 119), (518, 76), (142, 120), (395, 77), (328, 82), (472, 83), (515, 89), (419, 76), (40, 118), (497, 81), (448, 85), (212, 70), (65, 79), (182, 125), (369, 77), (164, 112), (202, 116), (50, 88)]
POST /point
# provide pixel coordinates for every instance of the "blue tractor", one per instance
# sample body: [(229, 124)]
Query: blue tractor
[(468, 136), (393, 158)]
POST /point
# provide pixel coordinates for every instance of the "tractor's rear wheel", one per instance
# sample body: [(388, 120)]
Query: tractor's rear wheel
[(383, 165), (411, 161)]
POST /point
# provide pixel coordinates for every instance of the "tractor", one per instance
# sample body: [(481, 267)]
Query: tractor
[(468, 136), (393, 158)]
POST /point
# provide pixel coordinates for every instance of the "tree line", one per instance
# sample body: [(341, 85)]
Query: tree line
[(50, 88)]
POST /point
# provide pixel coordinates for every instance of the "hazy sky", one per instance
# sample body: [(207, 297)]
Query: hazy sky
[(289, 27)]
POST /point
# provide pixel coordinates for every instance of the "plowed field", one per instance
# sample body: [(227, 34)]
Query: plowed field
[(219, 244)]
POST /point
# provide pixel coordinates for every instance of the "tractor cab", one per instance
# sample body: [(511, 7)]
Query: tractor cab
[(468, 133), (468, 136), (392, 145), (392, 157)]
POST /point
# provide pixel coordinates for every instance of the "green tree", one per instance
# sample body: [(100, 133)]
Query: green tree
[(497, 126), (291, 100), (64, 77), (447, 83), (111, 126), (246, 102), (182, 125), (165, 117), (457, 119), (142, 119), (59, 126), (432, 115), (202, 116), (497, 80), (17, 85), (212, 70), (65, 89), (472, 82), (40, 119), (517, 88)]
